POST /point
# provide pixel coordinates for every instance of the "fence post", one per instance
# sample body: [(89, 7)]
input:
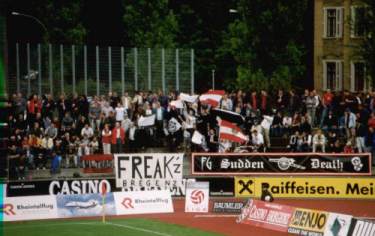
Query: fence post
[(163, 69), (18, 67), (97, 72), (62, 68), (122, 71), (177, 71), (135, 69), (50, 69), (28, 69), (85, 66), (74, 68), (192, 71), (109, 69), (39, 70), (149, 68)]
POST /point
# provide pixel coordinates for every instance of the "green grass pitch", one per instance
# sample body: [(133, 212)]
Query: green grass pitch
[(113, 227)]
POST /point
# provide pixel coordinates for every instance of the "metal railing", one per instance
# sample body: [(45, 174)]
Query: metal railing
[(95, 70)]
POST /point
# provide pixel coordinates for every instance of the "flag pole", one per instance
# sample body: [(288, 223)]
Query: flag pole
[(104, 191), (103, 208)]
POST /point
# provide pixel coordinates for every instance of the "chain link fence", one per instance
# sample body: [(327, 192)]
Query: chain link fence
[(96, 70)]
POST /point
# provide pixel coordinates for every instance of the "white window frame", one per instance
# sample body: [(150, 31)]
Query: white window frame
[(352, 21), (339, 22), (366, 84), (339, 74)]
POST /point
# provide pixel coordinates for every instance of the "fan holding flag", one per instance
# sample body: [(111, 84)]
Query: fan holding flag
[(212, 97), (230, 132)]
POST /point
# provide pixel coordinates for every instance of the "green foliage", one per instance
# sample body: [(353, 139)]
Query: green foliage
[(63, 20), (150, 23), (368, 46), (266, 43)]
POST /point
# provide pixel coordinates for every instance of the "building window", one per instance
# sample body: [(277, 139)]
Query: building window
[(332, 75), (358, 81), (357, 19), (333, 22)]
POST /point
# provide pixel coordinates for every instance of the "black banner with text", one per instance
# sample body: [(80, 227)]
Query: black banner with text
[(280, 164)]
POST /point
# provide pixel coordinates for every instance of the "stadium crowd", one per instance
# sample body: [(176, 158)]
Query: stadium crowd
[(54, 133)]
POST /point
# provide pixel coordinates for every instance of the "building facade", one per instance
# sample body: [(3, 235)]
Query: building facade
[(338, 34)]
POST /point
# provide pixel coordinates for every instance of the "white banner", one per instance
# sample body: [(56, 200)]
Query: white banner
[(148, 166), (143, 202), (177, 104), (29, 208), (176, 187), (197, 197), (188, 98), (146, 120)]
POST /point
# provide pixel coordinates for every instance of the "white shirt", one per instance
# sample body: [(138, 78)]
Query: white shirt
[(125, 102), (132, 133), (159, 113), (89, 132), (319, 139), (266, 122), (257, 139), (107, 110), (120, 112)]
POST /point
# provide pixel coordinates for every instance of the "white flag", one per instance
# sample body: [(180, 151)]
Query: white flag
[(146, 120), (188, 98), (173, 125), (197, 138), (178, 104)]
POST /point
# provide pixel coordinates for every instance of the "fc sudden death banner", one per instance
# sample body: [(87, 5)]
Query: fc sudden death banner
[(280, 164)]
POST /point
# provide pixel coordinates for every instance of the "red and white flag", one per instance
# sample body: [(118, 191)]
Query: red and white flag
[(212, 97), (231, 132)]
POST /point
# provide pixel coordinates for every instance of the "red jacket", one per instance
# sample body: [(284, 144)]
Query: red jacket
[(122, 135)]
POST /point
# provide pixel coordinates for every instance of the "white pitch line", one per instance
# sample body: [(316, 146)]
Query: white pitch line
[(215, 216), (96, 224), (138, 229)]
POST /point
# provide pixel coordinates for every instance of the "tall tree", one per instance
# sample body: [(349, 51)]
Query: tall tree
[(150, 23), (63, 20), (368, 46), (267, 43)]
